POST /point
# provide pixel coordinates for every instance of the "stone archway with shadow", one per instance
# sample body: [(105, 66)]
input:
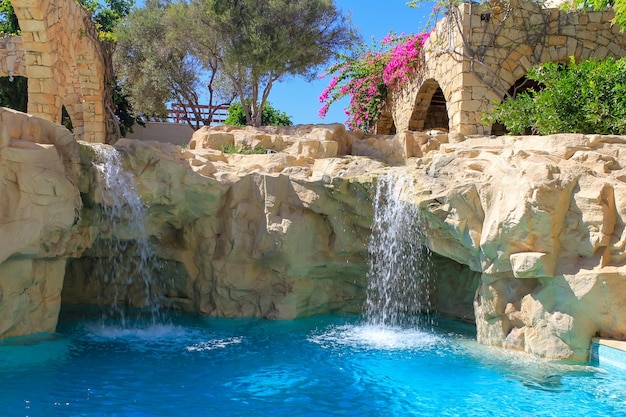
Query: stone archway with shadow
[(520, 86), (60, 54), (474, 58), (430, 109)]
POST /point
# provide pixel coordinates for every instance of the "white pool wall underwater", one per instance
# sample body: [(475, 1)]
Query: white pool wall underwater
[(608, 353)]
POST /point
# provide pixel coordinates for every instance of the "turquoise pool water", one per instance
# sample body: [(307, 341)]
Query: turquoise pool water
[(324, 366)]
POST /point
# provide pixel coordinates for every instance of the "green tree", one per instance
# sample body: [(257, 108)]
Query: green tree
[(8, 19), (14, 93), (270, 116), (107, 14), (159, 63), (263, 41)]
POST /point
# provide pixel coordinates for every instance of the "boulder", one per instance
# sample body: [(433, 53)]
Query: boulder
[(527, 233), (541, 218), (39, 204)]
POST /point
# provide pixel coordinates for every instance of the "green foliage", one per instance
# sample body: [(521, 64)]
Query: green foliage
[(244, 149), (66, 120), (107, 14), (222, 49), (270, 116), (8, 19), (588, 97), (143, 64), (162, 58), (124, 111), (14, 94), (263, 41)]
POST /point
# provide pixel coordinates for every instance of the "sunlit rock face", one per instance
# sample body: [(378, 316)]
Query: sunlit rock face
[(39, 203), (527, 233), (267, 235), (542, 219)]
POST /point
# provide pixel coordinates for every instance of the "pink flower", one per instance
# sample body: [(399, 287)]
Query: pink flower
[(367, 78)]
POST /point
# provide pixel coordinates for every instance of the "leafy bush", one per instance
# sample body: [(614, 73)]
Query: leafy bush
[(588, 97), (269, 117), (244, 149), (368, 76)]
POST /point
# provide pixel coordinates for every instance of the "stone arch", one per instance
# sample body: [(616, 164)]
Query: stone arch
[(437, 113), (490, 51), (521, 85), (430, 108), (60, 54), (385, 124)]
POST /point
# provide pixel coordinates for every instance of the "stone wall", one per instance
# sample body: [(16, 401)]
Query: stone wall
[(479, 59), (12, 60), (60, 54), (174, 133)]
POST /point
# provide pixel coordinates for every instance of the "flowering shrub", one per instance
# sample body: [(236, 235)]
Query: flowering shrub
[(368, 77)]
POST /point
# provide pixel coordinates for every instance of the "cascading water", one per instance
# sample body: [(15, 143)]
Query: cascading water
[(399, 262), (125, 258)]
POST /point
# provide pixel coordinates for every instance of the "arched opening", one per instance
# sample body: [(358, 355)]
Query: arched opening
[(66, 120), (385, 124), (437, 113), (430, 109), (14, 93), (520, 86)]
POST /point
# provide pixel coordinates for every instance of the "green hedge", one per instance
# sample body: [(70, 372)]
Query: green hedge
[(269, 117), (588, 97)]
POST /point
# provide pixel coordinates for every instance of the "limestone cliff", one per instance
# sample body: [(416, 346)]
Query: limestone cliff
[(527, 232), (247, 239), (541, 218), (39, 203)]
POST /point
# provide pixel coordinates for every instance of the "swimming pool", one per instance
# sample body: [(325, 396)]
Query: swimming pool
[(323, 366)]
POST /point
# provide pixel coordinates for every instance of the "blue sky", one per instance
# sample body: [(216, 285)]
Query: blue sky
[(374, 19)]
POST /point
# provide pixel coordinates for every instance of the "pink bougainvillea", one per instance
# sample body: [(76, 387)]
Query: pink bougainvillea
[(368, 77), (402, 60)]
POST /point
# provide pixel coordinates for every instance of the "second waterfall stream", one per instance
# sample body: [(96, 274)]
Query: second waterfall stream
[(399, 262)]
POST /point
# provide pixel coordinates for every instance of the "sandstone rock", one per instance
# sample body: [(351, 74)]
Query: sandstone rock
[(203, 138), (39, 204), (542, 210), (255, 242), (532, 264), (30, 295), (527, 233)]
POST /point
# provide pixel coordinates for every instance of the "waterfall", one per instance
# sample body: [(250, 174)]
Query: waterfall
[(399, 261), (125, 258)]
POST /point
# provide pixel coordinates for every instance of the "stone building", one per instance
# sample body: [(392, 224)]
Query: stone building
[(480, 53), (60, 54)]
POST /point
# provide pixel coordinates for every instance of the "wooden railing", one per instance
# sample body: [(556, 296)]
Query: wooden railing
[(182, 113)]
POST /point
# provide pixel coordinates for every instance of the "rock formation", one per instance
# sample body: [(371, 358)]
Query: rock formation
[(541, 218), (527, 232), (39, 203)]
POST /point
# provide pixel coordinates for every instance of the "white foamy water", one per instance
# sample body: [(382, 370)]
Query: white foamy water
[(375, 337), (214, 344), (151, 332), (125, 257), (399, 262)]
